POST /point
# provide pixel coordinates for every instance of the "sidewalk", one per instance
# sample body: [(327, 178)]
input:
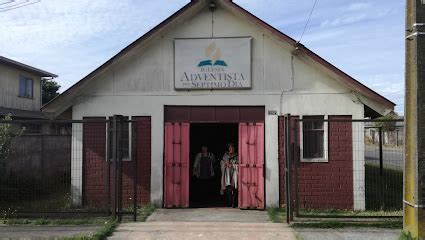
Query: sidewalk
[(221, 224)]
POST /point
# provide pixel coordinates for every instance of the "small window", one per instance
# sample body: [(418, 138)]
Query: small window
[(313, 139), (125, 139), (26, 87)]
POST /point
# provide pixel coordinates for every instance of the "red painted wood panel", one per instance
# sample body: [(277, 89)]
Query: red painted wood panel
[(251, 166), (216, 114), (176, 170)]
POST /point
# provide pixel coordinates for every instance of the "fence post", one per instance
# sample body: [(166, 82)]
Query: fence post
[(109, 162), (381, 163), (134, 159), (295, 160), (114, 166), (117, 123), (396, 141), (120, 122), (288, 167), (43, 154)]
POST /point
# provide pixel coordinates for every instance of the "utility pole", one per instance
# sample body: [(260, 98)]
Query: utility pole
[(414, 169)]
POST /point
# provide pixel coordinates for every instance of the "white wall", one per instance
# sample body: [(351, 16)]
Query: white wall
[(141, 84)]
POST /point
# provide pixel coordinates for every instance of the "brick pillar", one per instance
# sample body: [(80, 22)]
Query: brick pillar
[(143, 150), (95, 166)]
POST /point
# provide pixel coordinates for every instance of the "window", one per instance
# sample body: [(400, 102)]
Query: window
[(314, 134), (26, 87), (125, 147)]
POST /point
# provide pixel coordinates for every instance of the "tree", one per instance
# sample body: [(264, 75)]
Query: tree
[(50, 90), (7, 134), (387, 122)]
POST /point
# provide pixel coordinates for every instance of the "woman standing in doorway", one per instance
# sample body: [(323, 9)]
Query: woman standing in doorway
[(229, 176)]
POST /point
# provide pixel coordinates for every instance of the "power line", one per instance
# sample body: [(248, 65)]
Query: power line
[(308, 20), (19, 5), (14, 4), (7, 2), (394, 93)]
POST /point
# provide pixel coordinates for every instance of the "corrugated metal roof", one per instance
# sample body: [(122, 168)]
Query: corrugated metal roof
[(22, 113), (25, 67)]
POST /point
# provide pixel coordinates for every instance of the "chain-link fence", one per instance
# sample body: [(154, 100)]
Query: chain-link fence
[(336, 164), (68, 168)]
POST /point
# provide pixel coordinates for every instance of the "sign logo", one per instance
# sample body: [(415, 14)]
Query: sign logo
[(220, 63), (213, 54)]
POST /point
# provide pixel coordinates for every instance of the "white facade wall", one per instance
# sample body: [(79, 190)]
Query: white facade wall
[(141, 84)]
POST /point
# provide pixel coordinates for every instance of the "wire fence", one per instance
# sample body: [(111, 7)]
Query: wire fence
[(68, 168), (339, 165), (96, 166)]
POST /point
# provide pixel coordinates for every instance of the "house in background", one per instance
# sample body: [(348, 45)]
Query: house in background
[(20, 91), (214, 73)]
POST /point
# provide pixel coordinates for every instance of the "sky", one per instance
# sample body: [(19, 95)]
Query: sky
[(71, 38)]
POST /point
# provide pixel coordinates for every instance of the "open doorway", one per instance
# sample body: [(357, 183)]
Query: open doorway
[(205, 191)]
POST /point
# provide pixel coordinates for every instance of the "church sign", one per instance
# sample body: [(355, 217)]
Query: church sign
[(213, 63)]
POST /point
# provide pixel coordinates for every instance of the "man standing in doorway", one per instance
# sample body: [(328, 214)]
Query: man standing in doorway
[(203, 169)]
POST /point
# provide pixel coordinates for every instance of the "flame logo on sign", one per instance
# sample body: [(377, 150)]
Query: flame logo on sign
[(213, 54)]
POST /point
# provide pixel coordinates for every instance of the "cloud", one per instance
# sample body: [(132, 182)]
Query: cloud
[(73, 37), (358, 6)]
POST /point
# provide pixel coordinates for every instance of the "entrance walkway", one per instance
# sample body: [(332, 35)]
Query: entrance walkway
[(207, 223), (208, 215)]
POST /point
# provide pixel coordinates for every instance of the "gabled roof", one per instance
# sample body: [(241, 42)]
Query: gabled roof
[(345, 77), (33, 70), (350, 81)]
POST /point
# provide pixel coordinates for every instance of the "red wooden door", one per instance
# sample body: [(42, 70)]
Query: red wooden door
[(251, 166), (176, 169)]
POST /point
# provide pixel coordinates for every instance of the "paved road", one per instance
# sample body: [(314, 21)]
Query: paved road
[(44, 232), (392, 157), (348, 234), (220, 224)]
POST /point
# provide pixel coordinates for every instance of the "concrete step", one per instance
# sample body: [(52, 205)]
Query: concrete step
[(221, 224), (203, 230)]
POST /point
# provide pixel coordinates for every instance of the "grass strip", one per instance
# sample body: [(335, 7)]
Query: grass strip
[(54, 222), (397, 224), (276, 215), (144, 212), (105, 231), (406, 236), (348, 213)]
